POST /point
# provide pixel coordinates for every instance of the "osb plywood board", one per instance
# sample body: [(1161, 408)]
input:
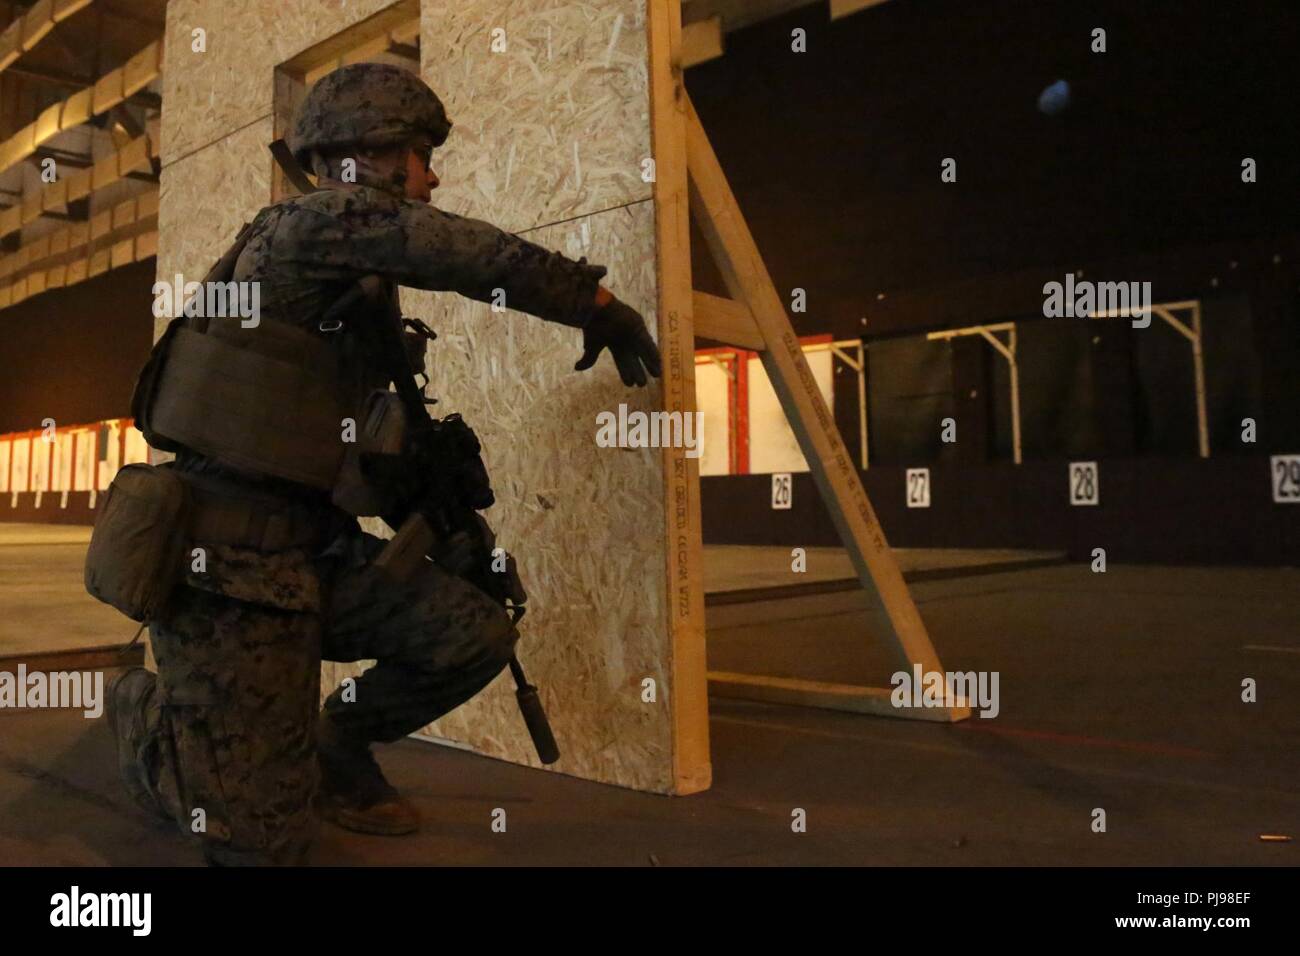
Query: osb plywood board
[(204, 198), (213, 93), (549, 105), (586, 523)]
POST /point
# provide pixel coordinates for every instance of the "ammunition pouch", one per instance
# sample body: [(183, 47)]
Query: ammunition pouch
[(152, 516), (381, 433), (138, 545), (225, 515), (452, 449)]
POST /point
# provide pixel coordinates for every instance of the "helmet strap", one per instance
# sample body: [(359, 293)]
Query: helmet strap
[(392, 181)]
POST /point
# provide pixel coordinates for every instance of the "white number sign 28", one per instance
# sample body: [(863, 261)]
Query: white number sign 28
[(1085, 489)]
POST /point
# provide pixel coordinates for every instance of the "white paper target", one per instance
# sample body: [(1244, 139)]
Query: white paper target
[(772, 445), (713, 397)]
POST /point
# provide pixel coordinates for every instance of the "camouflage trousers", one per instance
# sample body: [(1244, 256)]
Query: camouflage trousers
[(229, 746)]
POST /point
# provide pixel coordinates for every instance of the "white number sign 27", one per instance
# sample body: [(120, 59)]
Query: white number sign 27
[(918, 487)]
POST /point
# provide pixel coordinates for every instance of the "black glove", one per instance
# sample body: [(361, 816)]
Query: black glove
[(620, 328)]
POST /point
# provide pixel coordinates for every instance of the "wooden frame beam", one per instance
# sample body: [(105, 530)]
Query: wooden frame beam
[(684, 583), (701, 41), (32, 25), (726, 321), (842, 8), (747, 279), (874, 701), (128, 233), (138, 159), (54, 77), (391, 28), (126, 83)]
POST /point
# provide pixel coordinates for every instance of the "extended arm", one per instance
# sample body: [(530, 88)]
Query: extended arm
[(422, 247)]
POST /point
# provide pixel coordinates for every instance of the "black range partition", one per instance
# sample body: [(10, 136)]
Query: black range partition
[(1171, 511)]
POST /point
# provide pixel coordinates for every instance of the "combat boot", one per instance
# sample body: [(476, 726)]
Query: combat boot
[(126, 705), (354, 794)]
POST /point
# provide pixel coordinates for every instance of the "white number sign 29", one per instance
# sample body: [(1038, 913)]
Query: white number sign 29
[(1285, 470)]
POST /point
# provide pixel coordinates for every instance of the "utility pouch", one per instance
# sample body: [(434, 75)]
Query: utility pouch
[(381, 433), (138, 545)]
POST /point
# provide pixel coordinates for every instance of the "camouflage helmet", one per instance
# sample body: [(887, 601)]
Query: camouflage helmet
[(367, 104)]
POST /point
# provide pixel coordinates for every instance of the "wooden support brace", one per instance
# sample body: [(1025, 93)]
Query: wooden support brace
[(832, 467), (842, 8), (827, 696), (726, 321), (701, 41)]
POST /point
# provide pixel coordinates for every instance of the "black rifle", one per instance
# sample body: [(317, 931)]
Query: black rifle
[(442, 484)]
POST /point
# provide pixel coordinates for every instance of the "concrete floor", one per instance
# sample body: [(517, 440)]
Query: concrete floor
[(1119, 691), (43, 601), (46, 608), (731, 568)]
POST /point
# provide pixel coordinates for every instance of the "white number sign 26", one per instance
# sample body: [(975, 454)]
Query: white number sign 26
[(782, 492)]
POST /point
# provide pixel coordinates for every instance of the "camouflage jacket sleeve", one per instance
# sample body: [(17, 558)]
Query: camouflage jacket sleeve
[(420, 246)]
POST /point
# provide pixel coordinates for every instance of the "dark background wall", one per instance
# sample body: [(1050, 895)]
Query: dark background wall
[(835, 157), (835, 153), (73, 354), (1166, 511)]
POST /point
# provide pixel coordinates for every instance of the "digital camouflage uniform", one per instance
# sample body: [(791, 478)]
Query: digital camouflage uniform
[(231, 726)]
